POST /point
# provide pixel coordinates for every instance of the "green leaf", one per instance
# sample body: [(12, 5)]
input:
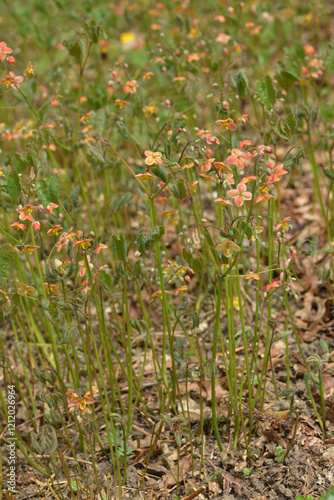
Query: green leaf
[(167, 150), (267, 92), (74, 50), (48, 190), (242, 84), (6, 262), (120, 201), (154, 237), (52, 183), (179, 189), (329, 495), (119, 247), (125, 132), (286, 127), (162, 173), (106, 281), (13, 185), (194, 263), (328, 174), (137, 272), (93, 30), (95, 151), (286, 79), (141, 243)]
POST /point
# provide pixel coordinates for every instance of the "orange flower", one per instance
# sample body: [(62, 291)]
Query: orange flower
[(272, 286), (252, 276), (130, 87), (29, 70), (223, 202), (4, 50), (284, 225), (120, 103), (25, 289), (237, 158), (55, 229), (83, 243), (26, 211), (19, 226), (240, 194), (102, 246), (74, 401), (30, 248), (227, 124), (153, 158)]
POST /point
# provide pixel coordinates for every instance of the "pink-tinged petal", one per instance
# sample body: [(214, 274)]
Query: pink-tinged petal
[(241, 187), (239, 201), (70, 405), (247, 196), (149, 160), (233, 193), (231, 160), (245, 143)]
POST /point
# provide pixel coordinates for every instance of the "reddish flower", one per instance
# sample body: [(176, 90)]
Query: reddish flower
[(148, 75), (182, 289), (50, 207), (64, 239), (29, 71), (222, 202), (30, 249), (25, 289), (4, 50), (208, 177), (293, 252), (272, 286), (52, 287), (19, 226), (74, 401), (240, 194), (16, 80), (246, 180), (82, 266), (244, 144), (26, 211), (130, 87), (207, 165), (283, 226), (223, 38), (102, 246), (55, 229), (227, 124), (12, 80), (252, 276), (277, 173), (11, 60), (83, 243), (263, 198), (145, 176), (237, 158), (36, 226), (221, 166)]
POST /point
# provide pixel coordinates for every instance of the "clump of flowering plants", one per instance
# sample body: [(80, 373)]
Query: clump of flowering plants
[(151, 178)]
